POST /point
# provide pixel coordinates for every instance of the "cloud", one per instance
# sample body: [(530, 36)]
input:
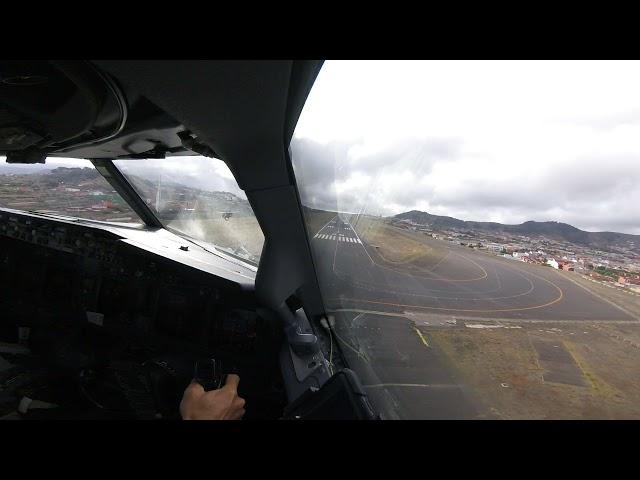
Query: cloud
[(609, 121), (354, 175), (594, 192), (504, 141)]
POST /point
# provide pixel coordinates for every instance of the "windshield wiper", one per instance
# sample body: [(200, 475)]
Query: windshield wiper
[(46, 213), (216, 251)]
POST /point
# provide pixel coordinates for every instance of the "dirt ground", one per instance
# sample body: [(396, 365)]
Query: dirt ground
[(593, 375)]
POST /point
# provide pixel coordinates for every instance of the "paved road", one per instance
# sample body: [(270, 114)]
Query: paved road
[(378, 305)]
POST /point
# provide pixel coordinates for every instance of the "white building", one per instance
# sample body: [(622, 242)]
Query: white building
[(552, 263)]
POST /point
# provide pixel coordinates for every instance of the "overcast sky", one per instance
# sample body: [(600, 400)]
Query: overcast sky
[(477, 140)]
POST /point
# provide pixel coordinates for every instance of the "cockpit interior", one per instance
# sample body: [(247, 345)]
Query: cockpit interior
[(150, 221)]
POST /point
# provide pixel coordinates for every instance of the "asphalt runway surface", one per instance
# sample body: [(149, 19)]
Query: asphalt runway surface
[(378, 306)]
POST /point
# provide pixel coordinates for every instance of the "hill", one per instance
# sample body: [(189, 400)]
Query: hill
[(554, 230)]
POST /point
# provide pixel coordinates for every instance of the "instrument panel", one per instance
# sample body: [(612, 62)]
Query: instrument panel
[(65, 273), (62, 237)]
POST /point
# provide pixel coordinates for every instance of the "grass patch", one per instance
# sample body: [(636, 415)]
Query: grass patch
[(391, 244)]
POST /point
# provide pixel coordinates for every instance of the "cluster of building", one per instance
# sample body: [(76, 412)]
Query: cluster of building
[(619, 266), (82, 197)]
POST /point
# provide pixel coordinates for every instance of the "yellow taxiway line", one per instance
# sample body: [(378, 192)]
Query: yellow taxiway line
[(424, 340)]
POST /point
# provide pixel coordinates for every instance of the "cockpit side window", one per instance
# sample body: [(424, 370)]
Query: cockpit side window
[(70, 187)]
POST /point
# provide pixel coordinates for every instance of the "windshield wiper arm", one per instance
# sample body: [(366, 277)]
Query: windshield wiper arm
[(45, 213), (207, 249)]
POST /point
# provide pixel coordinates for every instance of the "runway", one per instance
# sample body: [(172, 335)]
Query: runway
[(460, 281), (375, 303)]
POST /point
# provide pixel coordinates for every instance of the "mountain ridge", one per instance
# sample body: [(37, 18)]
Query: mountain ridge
[(551, 229)]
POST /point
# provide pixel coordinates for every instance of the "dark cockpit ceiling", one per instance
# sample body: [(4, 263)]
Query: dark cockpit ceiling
[(245, 111), (110, 109)]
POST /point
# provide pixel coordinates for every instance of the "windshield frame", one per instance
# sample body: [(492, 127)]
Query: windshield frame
[(111, 174)]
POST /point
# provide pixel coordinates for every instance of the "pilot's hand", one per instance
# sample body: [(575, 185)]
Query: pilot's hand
[(221, 404)]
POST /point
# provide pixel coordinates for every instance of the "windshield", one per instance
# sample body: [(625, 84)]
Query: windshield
[(199, 197), (476, 231), (62, 186)]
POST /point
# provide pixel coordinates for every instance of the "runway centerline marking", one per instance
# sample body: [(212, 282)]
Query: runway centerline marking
[(325, 225), (359, 241)]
